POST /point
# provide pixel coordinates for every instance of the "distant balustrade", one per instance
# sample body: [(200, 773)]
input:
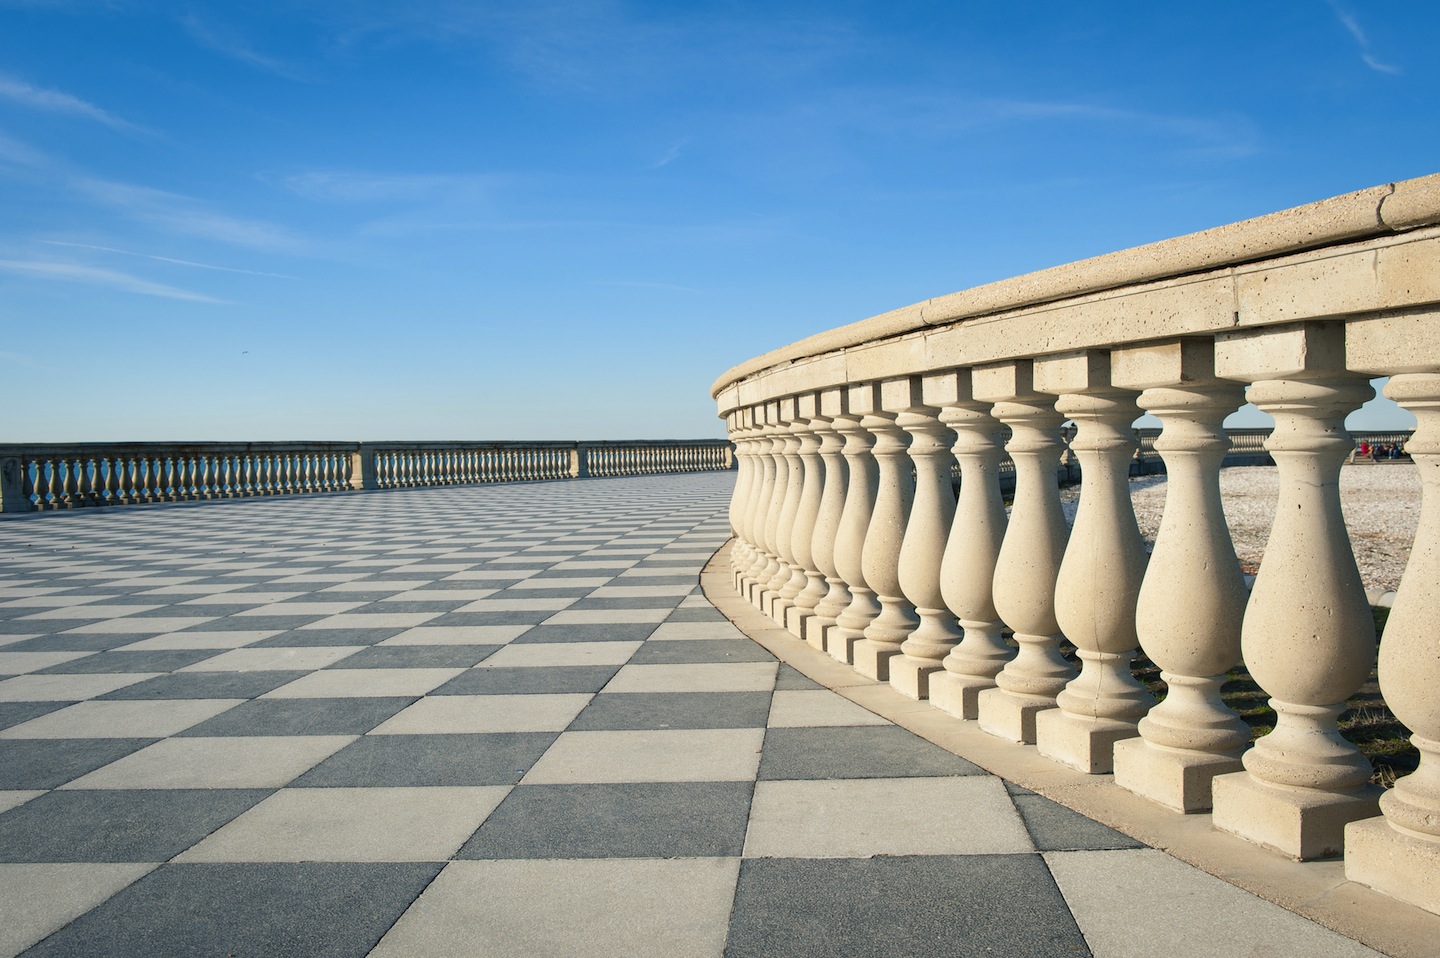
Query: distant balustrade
[(50, 477), (1295, 312)]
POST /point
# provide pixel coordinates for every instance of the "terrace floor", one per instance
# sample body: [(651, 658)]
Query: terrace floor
[(502, 720)]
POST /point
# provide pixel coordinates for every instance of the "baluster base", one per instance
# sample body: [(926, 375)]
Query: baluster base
[(1010, 716), (840, 643), (958, 694), (813, 630), (872, 660), (1393, 863), (795, 618), (1302, 823), (1179, 780), (910, 676), (1083, 742)]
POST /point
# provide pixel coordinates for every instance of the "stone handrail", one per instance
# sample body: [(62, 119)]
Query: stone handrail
[(51, 476), (847, 531)]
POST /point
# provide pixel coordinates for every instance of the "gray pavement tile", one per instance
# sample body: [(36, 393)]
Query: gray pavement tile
[(149, 825), (1014, 789), (616, 820), (276, 910), (335, 716), (204, 685), (658, 710), (13, 713), (530, 617), (42, 763), (595, 632), (694, 651), (23, 626), (950, 906), (855, 752), (72, 642), (526, 680), (500, 758), (248, 623), (111, 661), (1056, 828), (790, 680), (638, 602), (695, 615), (418, 656), (304, 638)]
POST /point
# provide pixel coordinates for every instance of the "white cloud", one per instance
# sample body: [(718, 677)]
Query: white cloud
[(165, 259), (189, 217), (229, 43), (54, 101), (113, 279), (1348, 21)]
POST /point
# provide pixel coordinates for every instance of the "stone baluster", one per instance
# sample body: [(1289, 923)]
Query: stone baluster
[(1099, 579), (784, 586), (1399, 853), (894, 495), (834, 414), (932, 513), (967, 569), (737, 429), (1308, 636), (1029, 560), (808, 582), (767, 514), (863, 479), (757, 445), (1193, 598)]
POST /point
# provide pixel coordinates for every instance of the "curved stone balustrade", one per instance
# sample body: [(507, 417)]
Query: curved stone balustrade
[(1294, 311), (46, 477)]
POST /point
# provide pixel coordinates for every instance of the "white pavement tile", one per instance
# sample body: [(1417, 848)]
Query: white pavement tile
[(14, 798), (353, 825), (670, 755), (1141, 902), (52, 601), (607, 616), (38, 900), (579, 564), (67, 688), (443, 714), (706, 677), (441, 595), (815, 708), (90, 612), (374, 585), (155, 625), (127, 719), (18, 663), (562, 582), (199, 588), (641, 591), (516, 605), (228, 762), (538, 654), (303, 608), (860, 818), (458, 635), (638, 908), (373, 620), (490, 575), (298, 659), (242, 598), (677, 631), (363, 683)]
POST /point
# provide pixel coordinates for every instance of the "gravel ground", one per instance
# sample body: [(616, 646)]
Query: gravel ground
[(1381, 503)]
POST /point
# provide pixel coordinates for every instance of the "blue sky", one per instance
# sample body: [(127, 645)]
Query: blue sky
[(444, 219)]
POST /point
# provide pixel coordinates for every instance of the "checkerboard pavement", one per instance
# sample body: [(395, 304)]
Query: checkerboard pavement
[(492, 720)]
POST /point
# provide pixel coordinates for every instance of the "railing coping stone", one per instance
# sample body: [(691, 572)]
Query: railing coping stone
[(1379, 211)]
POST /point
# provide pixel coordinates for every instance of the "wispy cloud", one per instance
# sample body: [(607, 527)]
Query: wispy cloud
[(360, 187), (671, 155), (54, 101), (186, 216), (1352, 25), (112, 279), (165, 259), (228, 42)]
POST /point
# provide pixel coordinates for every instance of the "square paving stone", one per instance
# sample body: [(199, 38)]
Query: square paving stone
[(117, 826), (346, 716), (688, 631), (13, 713), (306, 638), (344, 682), (274, 910), (799, 908), (701, 650), (38, 763), (1056, 828), (500, 758), (638, 908), (223, 762), (616, 820), (71, 642), (203, 685), (457, 635), (488, 680), (134, 719), (538, 655), (625, 603), (666, 755), (696, 615), (613, 632), (255, 623), (660, 710), (864, 752), (486, 713), (788, 679), (41, 899), (129, 662), (465, 619), (420, 656), (275, 659)]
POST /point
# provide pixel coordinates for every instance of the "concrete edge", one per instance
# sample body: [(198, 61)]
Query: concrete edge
[(1315, 890)]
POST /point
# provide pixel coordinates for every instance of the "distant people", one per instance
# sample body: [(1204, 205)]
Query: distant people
[(1364, 450)]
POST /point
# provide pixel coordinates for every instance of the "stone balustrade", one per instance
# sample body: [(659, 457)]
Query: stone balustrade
[(848, 534), (45, 477)]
